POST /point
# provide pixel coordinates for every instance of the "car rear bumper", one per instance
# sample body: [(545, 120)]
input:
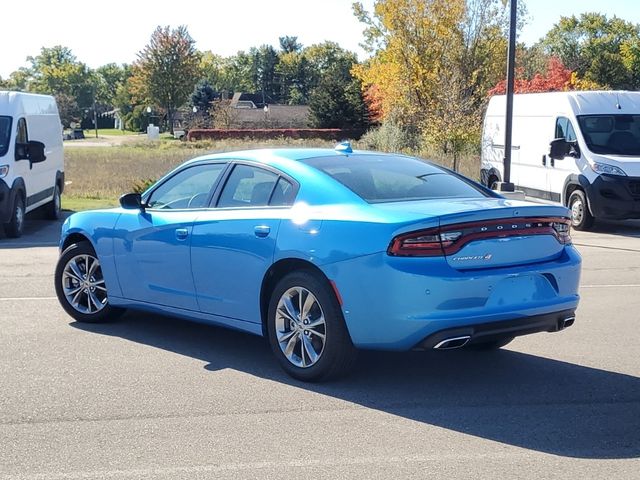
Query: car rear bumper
[(487, 332), (396, 303)]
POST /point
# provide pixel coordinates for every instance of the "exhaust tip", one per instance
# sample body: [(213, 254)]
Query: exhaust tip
[(566, 322), (453, 342)]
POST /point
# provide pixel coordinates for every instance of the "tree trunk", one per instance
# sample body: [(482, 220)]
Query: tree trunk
[(170, 119)]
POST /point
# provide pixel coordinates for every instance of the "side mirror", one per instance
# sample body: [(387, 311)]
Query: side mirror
[(559, 148), (35, 151), (131, 201)]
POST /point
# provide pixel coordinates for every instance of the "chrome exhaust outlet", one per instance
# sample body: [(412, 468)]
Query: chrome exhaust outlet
[(567, 322), (453, 342)]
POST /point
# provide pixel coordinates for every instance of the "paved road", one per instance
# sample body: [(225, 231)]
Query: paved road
[(155, 398)]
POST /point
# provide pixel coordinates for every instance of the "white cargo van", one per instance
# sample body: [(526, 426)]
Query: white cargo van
[(578, 148), (31, 158)]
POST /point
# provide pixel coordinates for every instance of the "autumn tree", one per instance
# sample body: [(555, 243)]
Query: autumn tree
[(167, 69), (432, 63)]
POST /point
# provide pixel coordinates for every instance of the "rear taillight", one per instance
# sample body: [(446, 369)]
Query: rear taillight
[(449, 239)]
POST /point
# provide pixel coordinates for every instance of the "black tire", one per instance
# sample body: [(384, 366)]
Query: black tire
[(337, 355), (491, 345), (66, 285), (581, 218), (15, 226), (53, 208)]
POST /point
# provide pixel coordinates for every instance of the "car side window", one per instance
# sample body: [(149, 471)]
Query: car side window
[(248, 186), (283, 194), (187, 189)]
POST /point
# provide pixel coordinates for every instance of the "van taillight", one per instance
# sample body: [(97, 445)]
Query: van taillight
[(449, 239)]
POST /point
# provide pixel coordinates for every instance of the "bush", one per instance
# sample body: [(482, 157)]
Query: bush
[(391, 137)]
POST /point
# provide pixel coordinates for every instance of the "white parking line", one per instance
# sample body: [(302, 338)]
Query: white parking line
[(28, 244), (13, 299), (611, 285)]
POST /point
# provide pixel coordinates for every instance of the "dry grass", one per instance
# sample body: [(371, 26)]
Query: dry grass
[(102, 174)]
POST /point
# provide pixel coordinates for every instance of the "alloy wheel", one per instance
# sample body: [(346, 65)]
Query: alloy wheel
[(83, 284), (300, 327)]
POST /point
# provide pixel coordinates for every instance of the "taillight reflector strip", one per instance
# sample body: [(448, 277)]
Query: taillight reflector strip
[(449, 239)]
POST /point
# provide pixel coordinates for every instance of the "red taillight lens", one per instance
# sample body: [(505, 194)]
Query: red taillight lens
[(424, 243), (563, 230), (449, 239)]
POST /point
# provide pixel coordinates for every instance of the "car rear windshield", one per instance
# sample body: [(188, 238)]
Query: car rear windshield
[(611, 134), (379, 178), (5, 134)]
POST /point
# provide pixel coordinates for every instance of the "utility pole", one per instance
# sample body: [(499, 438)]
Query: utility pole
[(506, 185)]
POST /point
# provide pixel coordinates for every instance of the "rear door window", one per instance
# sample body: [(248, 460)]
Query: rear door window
[(248, 186)]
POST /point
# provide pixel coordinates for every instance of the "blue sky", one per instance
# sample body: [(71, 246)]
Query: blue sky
[(114, 31)]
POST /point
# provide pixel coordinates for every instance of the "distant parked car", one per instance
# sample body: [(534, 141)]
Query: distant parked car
[(324, 252)]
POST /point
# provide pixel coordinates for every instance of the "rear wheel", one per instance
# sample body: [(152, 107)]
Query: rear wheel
[(581, 218), (53, 208), (80, 285), (14, 227), (306, 329)]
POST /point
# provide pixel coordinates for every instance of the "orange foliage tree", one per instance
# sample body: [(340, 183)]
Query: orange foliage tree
[(558, 78)]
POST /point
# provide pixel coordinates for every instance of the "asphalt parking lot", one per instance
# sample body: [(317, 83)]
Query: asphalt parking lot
[(150, 397)]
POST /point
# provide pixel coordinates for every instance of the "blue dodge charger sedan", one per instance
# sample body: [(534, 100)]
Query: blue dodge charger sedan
[(325, 252)]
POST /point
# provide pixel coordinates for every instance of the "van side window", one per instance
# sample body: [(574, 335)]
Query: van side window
[(561, 127), (22, 136), (565, 130), (571, 134)]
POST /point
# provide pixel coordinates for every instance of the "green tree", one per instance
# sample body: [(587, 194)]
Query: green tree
[(337, 103), (290, 44), (167, 69), (335, 99), (265, 62), (598, 49), (56, 71), (109, 78)]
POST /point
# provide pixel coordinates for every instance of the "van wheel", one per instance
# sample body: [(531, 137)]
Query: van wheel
[(15, 226), (581, 218), (53, 208)]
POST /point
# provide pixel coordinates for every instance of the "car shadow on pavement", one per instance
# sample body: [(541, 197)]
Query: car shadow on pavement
[(38, 232), (514, 398), (620, 228)]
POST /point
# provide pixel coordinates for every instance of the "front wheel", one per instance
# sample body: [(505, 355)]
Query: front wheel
[(306, 329), (581, 218), (80, 285), (15, 226)]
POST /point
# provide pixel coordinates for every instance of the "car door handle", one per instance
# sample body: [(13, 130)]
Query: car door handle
[(182, 233), (262, 231)]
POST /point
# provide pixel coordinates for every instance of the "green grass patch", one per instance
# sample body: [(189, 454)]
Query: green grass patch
[(107, 132), (78, 204)]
